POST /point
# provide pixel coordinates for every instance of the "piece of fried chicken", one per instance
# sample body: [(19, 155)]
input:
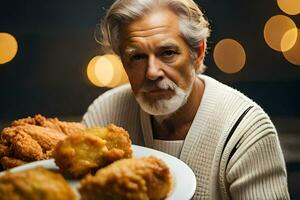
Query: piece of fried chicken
[(9, 162), (117, 141), (53, 123), (30, 142), (129, 179), (80, 154), (32, 139), (34, 184), (92, 149)]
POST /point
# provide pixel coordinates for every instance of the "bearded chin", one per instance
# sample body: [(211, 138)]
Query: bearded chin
[(163, 107)]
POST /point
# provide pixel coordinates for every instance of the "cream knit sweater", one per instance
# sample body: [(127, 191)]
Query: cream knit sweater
[(248, 165)]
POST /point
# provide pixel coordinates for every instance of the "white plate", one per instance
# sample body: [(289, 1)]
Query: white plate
[(183, 177)]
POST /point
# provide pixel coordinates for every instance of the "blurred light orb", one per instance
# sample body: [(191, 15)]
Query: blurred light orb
[(275, 30), (120, 76), (229, 56), (291, 7), (91, 74), (293, 54), (106, 71), (289, 39), (8, 47)]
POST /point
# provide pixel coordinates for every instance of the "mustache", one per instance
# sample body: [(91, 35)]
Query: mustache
[(163, 84)]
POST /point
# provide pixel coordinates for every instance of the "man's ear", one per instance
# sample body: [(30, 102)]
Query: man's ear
[(201, 54)]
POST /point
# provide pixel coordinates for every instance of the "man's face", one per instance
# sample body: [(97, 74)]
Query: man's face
[(158, 62)]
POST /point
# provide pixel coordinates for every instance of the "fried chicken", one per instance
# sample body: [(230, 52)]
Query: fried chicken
[(53, 123), (129, 179), (9, 162), (80, 154), (35, 184), (32, 139), (117, 141), (4, 150), (30, 142), (92, 149)]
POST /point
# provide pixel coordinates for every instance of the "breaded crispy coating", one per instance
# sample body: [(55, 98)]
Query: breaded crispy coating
[(92, 149), (129, 179), (80, 154), (4, 150), (117, 141), (24, 147), (8, 162), (34, 184), (33, 138), (30, 142), (53, 123)]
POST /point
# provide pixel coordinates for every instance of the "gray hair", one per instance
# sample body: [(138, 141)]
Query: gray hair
[(192, 23)]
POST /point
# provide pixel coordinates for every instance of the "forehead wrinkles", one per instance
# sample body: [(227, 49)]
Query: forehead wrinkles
[(137, 43), (145, 40), (147, 32), (159, 35)]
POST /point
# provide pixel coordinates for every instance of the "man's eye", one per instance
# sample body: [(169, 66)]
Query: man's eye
[(168, 53), (137, 57)]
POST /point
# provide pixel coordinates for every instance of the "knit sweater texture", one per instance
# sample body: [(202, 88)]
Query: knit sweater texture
[(247, 164)]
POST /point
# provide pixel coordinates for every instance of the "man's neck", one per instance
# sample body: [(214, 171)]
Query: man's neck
[(177, 125)]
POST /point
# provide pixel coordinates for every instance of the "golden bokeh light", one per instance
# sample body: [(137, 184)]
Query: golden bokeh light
[(277, 27), (291, 7), (293, 55), (229, 56), (289, 39), (91, 74), (8, 47), (120, 76), (106, 71)]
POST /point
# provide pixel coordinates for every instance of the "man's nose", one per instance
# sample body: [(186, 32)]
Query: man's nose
[(154, 70)]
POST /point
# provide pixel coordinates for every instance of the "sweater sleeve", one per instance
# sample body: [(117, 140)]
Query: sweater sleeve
[(259, 172)]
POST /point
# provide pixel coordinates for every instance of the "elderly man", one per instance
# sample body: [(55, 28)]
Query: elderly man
[(226, 138)]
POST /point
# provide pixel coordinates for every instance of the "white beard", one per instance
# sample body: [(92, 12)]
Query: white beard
[(161, 109)]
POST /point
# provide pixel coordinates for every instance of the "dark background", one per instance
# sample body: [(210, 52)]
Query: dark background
[(56, 42)]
